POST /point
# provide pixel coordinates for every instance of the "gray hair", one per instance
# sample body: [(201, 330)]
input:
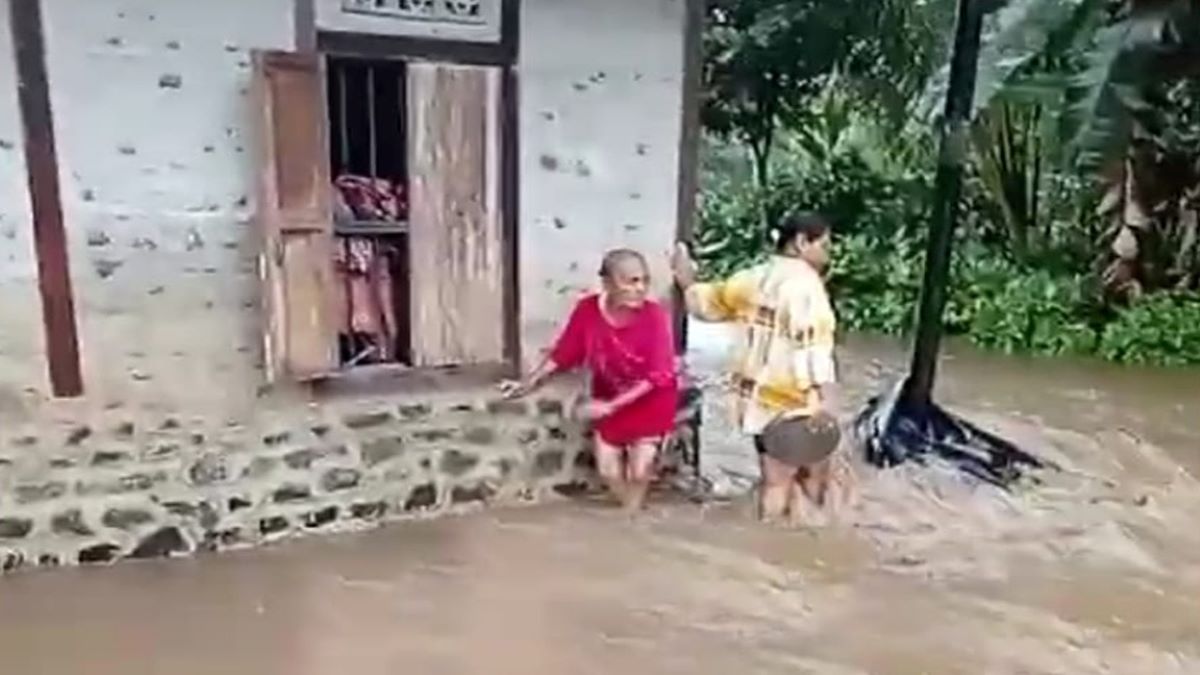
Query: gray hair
[(616, 257)]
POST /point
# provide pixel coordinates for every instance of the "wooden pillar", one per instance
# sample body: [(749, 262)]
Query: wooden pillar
[(689, 148), (49, 235), (510, 199), (304, 18)]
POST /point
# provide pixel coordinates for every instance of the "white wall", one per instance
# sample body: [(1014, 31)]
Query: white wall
[(149, 101), (150, 106), (601, 90), (22, 364)]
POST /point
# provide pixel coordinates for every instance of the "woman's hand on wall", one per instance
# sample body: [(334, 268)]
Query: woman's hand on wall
[(511, 389), (683, 267), (517, 388)]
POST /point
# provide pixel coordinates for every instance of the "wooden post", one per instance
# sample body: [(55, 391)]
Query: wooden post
[(689, 149), (510, 189), (510, 200), (49, 235), (304, 18)]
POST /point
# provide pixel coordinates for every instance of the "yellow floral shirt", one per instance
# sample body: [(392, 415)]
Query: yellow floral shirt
[(787, 327)]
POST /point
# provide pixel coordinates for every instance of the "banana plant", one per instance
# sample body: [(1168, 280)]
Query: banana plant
[(1010, 160), (1118, 80)]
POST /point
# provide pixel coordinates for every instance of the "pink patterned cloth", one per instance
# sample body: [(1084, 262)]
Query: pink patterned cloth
[(372, 198), (364, 269)]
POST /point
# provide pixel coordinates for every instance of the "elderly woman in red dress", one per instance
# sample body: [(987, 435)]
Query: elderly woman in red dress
[(624, 340)]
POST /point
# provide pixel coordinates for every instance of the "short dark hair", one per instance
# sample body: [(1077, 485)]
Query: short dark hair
[(807, 224), (616, 257)]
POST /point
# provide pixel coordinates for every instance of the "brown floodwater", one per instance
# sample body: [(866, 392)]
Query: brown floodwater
[(1095, 571)]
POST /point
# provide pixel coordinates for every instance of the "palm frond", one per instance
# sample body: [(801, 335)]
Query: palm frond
[(1016, 36), (1109, 91)]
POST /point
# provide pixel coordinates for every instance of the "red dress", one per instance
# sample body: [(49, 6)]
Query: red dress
[(618, 358)]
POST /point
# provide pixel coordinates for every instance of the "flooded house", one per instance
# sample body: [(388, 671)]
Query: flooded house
[(263, 263)]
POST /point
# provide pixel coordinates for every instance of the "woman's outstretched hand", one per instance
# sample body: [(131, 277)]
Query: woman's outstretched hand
[(530, 383), (511, 389)]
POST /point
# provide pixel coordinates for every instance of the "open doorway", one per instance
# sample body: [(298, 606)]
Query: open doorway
[(367, 116)]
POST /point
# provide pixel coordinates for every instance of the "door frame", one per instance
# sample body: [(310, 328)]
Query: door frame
[(503, 54)]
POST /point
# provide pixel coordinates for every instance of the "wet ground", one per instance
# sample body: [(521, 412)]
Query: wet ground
[(1096, 571)]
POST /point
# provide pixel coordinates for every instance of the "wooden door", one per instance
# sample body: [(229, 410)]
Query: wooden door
[(455, 221), (295, 216)]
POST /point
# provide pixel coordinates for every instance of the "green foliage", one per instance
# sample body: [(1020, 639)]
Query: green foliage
[(875, 282), (1097, 90), (1009, 159), (1015, 39), (767, 61), (853, 195), (1069, 91), (1096, 63), (994, 303), (1018, 310), (1046, 307), (731, 234), (1161, 329)]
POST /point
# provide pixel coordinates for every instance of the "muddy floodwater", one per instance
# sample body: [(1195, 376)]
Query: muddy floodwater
[(1095, 571)]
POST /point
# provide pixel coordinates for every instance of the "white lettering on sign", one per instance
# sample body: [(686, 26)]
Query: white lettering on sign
[(440, 11)]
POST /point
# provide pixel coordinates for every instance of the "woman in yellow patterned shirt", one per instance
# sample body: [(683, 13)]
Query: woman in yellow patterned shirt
[(785, 365)]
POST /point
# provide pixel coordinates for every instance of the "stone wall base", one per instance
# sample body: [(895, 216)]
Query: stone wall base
[(174, 487)]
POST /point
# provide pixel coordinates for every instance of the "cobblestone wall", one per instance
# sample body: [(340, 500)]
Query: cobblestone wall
[(95, 494), (117, 489)]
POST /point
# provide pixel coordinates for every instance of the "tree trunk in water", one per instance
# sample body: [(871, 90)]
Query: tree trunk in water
[(947, 193), (760, 151)]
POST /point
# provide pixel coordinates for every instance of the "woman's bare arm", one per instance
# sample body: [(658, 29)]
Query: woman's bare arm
[(531, 382)]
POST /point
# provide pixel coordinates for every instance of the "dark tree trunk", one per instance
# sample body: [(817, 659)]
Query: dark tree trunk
[(760, 153), (947, 194)]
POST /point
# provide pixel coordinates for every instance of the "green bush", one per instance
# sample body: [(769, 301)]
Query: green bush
[(858, 200), (731, 233), (875, 282), (1161, 329), (993, 302), (1033, 313)]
